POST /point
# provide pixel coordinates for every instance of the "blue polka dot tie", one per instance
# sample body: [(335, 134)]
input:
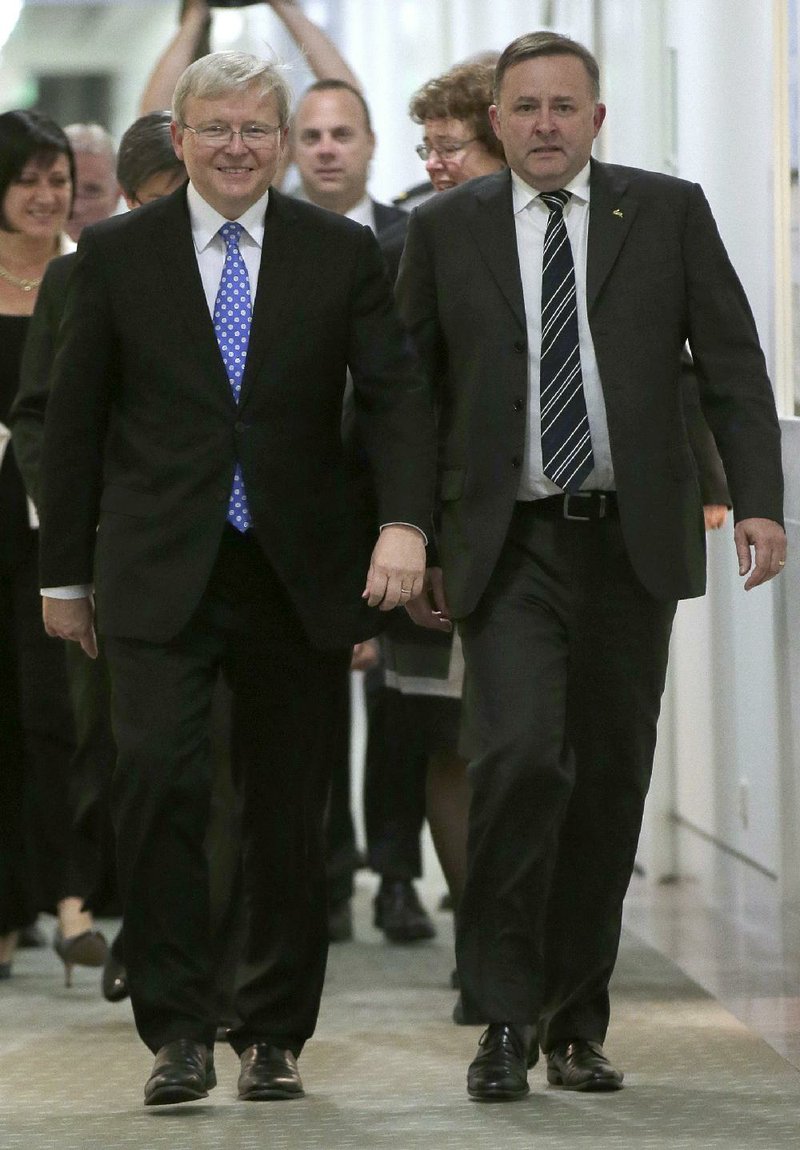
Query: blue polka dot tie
[(232, 315)]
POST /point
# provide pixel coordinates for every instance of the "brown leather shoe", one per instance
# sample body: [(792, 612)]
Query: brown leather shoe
[(499, 1071), (269, 1073), (182, 1072), (582, 1065)]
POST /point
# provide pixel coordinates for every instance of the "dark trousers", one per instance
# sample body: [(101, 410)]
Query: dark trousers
[(161, 715), (36, 743), (341, 850), (566, 660), (92, 869), (92, 863), (395, 770)]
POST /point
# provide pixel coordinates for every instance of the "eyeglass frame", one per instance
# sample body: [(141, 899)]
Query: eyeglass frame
[(272, 131), (446, 152)]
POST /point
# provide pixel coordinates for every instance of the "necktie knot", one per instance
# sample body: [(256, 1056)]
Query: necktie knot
[(557, 200), (231, 233)]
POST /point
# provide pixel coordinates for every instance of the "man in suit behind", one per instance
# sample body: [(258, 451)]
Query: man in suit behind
[(193, 472), (571, 523), (333, 143)]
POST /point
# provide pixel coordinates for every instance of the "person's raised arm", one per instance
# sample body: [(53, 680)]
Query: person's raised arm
[(188, 43), (323, 57)]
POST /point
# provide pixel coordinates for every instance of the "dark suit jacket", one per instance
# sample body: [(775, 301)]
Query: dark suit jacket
[(28, 411), (385, 216), (658, 275), (142, 431)]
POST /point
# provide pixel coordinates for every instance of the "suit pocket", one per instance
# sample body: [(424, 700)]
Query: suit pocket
[(451, 484), (128, 501)]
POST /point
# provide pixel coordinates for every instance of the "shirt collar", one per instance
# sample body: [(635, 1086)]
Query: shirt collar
[(206, 221), (524, 194), (363, 213)]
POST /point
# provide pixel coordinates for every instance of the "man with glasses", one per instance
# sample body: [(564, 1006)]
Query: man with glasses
[(193, 474)]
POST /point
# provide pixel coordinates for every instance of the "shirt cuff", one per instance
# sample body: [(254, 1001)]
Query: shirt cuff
[(77, 591), (422, 533)]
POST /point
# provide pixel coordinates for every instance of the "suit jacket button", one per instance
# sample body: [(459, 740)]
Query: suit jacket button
[(520, 345), (516, 462), (239, 426), (518, 405)]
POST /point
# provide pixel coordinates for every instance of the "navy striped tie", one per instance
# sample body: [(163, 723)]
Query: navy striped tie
[(566, 442)]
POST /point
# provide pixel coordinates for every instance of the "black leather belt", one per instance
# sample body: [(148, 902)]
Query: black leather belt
[(582, 507)]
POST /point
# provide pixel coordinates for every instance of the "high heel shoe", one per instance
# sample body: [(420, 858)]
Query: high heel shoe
[(86, 949)]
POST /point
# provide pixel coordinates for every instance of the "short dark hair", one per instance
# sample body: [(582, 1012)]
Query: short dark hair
[(341, 86), (534, 44), (462, 93), (146, 150), (28, 135)]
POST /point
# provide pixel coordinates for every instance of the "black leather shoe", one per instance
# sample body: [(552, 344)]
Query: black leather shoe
[(499, 1071), (182, 1072), (582, 1065), (340, 922), (269, 1073), (114, 982), (400, 914)]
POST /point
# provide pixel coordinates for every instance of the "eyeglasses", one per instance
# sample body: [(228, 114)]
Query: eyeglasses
[(443, 151), (253, 136)]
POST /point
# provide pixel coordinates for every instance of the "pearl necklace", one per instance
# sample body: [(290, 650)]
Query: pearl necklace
[(18, 281)]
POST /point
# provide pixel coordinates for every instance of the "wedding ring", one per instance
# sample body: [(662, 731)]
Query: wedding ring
[(781, 562), (405, 591)]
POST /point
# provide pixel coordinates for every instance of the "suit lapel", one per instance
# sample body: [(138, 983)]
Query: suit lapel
[(491, 223), (611, 212), (276, 283), (183, 285)]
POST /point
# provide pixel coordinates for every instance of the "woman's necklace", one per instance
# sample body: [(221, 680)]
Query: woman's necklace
[(19, 281)]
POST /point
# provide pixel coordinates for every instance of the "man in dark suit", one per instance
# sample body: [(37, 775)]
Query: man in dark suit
[(333, 144), (193, 472), (571, 523)]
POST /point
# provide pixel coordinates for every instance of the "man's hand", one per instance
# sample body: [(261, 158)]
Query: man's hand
[(430, 609), (715, 515), (397, 567), (768, 541), (71, 619)]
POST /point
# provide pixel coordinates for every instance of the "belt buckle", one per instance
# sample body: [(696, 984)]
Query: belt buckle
[(601, 505)]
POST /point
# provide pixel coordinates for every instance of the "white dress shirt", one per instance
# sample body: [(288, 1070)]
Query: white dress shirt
[(530, 219), (363, 213)]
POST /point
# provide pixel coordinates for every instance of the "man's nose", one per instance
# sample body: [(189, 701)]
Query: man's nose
[(236, 144), (545, 122)]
